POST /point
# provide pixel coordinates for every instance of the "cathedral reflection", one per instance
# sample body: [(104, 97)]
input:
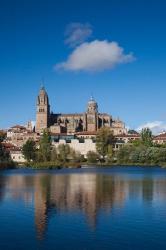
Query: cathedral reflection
[(54, 194), (65, 193)]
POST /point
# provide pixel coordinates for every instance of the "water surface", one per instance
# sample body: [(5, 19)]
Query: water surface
[(109, 208)]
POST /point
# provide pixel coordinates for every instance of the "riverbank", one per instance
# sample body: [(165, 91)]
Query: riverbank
[(124, 165), (7, 165), (75, 165), (51, 165)]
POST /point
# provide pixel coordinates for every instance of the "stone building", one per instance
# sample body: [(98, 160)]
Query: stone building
[(18, 135), (89, 121), (160, 139)]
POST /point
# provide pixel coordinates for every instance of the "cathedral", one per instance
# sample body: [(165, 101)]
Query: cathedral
[(89, 121)]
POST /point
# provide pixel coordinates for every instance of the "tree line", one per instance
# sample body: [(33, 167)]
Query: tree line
[(140, 152)]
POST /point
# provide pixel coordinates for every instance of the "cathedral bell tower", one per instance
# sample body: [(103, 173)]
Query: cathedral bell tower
[(92, 115), (43, 111)]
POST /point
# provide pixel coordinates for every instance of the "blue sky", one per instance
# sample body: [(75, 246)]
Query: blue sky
[(38, 36)]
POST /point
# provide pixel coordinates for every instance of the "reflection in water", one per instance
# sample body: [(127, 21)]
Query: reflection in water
[(88, 193)]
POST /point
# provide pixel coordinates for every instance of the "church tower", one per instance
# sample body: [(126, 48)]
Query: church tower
[(92, 115), (43, 111)]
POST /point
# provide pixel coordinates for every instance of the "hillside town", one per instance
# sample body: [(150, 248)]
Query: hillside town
[(76, 130)]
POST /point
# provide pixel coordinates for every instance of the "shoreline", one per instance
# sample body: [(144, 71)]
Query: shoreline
[(75, 166)]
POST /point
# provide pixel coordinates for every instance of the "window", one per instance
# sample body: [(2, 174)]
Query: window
[(41, 110)]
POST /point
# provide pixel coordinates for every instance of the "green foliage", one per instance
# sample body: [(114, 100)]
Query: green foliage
[(54, 154), (44, 152), (142, 151), (109, 154), (92, 157), (131, 154), (75, 156), (46, 165), (4, 155), (2, 136), (146, 137), (104, 138), (5, 160), (132, 131), (64, 152), (137, 142), (7, 165), (29, 150)]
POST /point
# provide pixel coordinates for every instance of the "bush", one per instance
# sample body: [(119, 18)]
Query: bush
[(7, 165), (132, 154), (92, 157), (45, 165)]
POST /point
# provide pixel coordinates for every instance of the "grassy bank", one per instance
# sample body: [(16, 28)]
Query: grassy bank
[(125, 164), (7, 165), (52, 165), (55, 165)]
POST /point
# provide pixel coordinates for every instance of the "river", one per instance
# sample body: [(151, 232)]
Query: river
[(92, 208)]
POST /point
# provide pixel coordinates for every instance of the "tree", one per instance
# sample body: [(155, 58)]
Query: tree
[(109, 153), (64, 152), (132, 132), (29, 150), (123, 154), (44, 152), (146, 137), (2, 135), (92, 157), (104, 138), (54, 154), (75, 156), (4, 155)]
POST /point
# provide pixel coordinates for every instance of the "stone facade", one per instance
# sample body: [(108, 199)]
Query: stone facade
[(89, 121), (18, 135), (81, 147), (17, 156), (160, 139)]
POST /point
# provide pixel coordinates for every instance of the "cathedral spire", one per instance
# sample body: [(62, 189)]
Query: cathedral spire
[(43, 110), (42, 84)]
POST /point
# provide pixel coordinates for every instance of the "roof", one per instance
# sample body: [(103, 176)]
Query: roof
[(18, 126), (7, 144), (10, 146), (104, 114), (86, 133), (55, 134), (128, 135), (160, 137), (75, 114)]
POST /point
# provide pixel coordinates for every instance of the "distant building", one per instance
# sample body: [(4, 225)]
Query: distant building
[(89, 121), (18, 135), (160, 139), (17, 156), (77, 130), (82, 146), (14, 152)]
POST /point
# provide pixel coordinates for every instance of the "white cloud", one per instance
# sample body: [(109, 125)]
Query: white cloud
[(77, 33), (156, 126), (95, 56)]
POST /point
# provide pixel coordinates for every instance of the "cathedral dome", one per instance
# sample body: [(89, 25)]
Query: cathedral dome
[(92, 105)]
